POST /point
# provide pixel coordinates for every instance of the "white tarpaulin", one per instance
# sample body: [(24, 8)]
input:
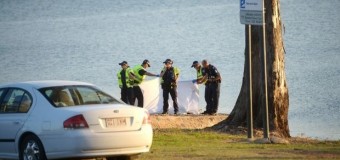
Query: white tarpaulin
[(187, 97)]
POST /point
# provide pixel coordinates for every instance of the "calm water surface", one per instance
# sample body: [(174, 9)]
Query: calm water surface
[(85, 41)]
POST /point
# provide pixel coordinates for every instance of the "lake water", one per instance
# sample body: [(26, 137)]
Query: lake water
[(85, 41)]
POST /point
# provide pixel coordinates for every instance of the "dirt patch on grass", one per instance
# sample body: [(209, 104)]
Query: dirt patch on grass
[(186, 121)]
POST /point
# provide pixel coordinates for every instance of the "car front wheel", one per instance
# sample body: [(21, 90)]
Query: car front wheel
[(31, 148)]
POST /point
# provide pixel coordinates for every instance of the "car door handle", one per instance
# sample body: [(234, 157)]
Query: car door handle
[(16, 123)]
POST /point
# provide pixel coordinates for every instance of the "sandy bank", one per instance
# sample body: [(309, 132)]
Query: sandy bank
[(185, 121)]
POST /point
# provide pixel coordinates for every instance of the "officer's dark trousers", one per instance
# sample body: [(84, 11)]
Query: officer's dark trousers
[(139, 95), (127, 95), (212, 95), (173, 93)]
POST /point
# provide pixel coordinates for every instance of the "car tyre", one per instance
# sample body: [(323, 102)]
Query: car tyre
[(31, 148)]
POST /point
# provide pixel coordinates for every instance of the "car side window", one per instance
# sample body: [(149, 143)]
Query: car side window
[(89, 96), (16, 101), (68, 96), (1, 92)]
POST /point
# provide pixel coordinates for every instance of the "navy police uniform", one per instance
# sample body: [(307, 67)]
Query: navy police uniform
[(212, 89), (169, 86)]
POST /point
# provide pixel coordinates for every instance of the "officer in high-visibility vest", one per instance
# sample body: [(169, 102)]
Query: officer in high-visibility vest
[(125, 83), (198, 68), (212, 87), (139, 75), (169, 76)]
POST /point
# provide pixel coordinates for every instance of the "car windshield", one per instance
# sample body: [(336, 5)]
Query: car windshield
[(65, 96)]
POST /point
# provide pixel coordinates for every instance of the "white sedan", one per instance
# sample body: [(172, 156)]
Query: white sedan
[(64, 119)]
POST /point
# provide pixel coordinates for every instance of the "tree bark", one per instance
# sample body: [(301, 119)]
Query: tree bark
[(278, 99)]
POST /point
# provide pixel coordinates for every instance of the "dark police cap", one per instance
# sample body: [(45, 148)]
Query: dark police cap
[(146, 62), (122, 63), (168, 61), (194, 64)]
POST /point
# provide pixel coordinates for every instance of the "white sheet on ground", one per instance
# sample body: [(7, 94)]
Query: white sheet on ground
[(187, 97)]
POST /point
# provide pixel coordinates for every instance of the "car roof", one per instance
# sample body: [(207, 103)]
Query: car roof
[(45, 83)]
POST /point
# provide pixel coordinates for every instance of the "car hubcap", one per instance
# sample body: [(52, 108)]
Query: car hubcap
[(31, 151)]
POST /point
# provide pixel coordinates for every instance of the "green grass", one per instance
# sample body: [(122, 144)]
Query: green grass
[(200, 144)]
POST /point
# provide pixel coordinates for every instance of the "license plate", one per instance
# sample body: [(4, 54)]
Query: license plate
[(116, 122)]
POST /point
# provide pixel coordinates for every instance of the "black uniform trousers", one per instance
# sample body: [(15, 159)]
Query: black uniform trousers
[(139, 95), (126, 95), (212, 95), (173, 92)]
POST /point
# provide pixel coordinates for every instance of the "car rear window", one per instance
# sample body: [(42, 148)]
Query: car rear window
[(66, 96)]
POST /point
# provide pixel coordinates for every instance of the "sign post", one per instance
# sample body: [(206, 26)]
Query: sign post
[(265, 111), (250, 109), (252, 12)]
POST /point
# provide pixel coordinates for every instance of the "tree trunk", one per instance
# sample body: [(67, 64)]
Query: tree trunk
[(278, 100)]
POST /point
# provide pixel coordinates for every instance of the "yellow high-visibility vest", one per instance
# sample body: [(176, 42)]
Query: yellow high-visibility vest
[(140, 78), (128, 80), (200, 75)]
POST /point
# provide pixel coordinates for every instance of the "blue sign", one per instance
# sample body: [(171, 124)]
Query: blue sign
[(243, 4), (254, 5)]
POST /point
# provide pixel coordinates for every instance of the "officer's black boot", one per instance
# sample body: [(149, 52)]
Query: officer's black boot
[(165, 112)]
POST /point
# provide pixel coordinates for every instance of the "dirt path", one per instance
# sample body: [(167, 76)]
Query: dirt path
[(185, 121)]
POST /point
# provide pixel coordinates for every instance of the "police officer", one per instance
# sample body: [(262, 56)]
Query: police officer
[(125, 83), (212, 87), (198, 69), (169, 75), (139, 75)]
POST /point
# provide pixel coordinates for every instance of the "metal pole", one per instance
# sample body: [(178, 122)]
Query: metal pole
[(250, 109), (265, 113)]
